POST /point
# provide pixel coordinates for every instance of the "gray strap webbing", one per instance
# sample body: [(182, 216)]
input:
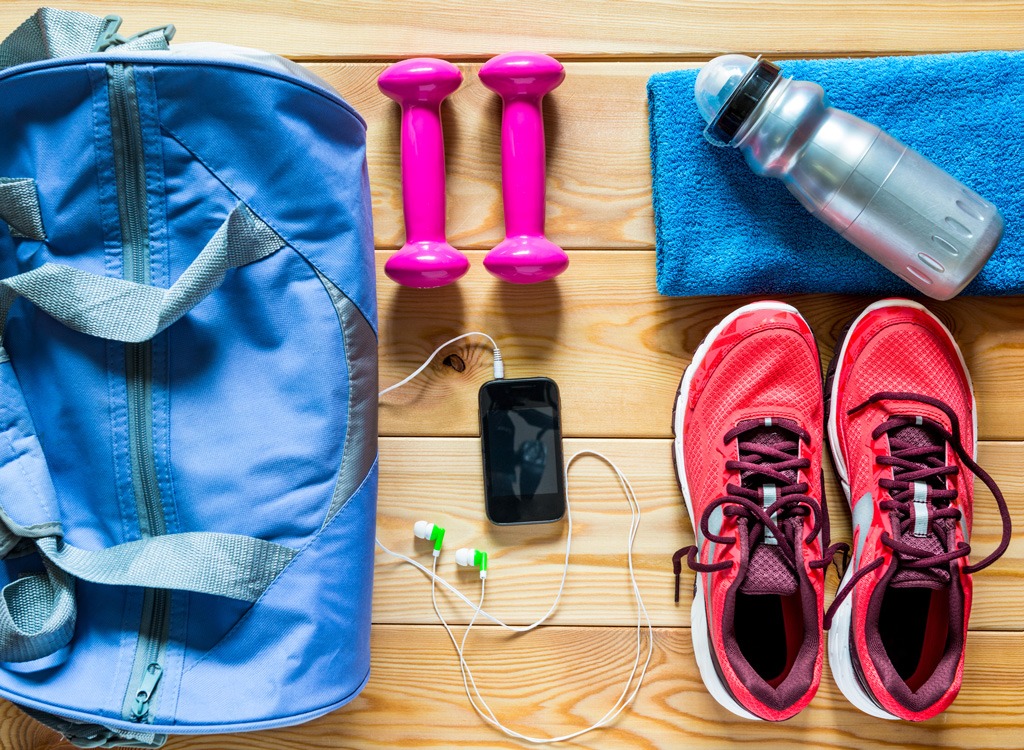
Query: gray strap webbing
[(230, 565), (8, 540), (121, 310), (94, 735), (51, 33), (19, 207), (37, 615), (37, 611), (151, 39)]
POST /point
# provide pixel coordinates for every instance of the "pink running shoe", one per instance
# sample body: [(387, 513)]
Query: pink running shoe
[(749, 429), (903, 431)]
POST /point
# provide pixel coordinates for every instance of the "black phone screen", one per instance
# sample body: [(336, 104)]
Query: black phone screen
[(521, 432)]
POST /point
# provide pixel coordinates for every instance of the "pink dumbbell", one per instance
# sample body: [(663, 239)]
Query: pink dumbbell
[(419, 86), (522, 79)]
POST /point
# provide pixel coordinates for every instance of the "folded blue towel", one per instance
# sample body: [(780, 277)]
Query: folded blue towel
[(723, 230)]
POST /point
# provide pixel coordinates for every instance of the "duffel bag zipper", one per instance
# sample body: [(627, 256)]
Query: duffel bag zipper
[(151, 677), (133, 209)]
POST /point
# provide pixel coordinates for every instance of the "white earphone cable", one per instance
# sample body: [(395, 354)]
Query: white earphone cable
[(499, 364), (642, 618), (469, 683)]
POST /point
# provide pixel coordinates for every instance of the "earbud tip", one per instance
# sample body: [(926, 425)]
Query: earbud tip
[(422, 529), (464, 556)]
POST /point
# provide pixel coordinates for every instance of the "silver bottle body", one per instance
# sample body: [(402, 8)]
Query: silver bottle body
[(885, 198)]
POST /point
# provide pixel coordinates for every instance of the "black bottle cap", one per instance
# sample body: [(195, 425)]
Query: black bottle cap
[(743, 101)]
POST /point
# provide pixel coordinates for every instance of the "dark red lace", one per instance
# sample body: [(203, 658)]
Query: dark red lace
[(758, 464), (911, 463)]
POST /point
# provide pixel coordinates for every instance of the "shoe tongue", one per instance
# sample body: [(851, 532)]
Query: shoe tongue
[(935, 577), (769, 436), (768, 571), (932, 543), (916, 435)]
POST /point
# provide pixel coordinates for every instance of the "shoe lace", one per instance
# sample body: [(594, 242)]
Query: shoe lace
[(914, 463), (761, 463)]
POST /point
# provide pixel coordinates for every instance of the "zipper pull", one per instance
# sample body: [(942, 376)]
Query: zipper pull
[(150, 679), (108, 34)]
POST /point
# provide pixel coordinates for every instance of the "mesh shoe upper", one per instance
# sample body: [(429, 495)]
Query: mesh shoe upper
[(907, 486), (750, 452)]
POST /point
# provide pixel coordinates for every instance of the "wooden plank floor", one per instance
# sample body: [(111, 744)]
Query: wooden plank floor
[(617, 350)]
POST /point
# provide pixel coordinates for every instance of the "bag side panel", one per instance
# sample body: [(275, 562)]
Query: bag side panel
[(295, 157), (260, 404), (258, 386), (305, 646)]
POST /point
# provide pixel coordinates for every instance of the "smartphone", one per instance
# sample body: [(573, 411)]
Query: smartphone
[(521, 433)]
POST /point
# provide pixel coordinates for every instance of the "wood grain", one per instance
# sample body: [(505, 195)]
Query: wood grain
[(598, 185), (617, 349), (439, 480), (562, 679), (310, 29)]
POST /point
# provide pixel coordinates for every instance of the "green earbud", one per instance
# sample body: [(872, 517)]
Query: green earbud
[(431, 532), (475, 558)]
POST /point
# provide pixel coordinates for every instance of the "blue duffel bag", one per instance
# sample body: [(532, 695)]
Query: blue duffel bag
[(188, 386)]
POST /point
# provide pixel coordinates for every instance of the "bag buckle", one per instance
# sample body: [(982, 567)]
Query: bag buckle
[(109, 36)]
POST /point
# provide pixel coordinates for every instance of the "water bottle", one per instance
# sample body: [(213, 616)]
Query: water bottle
[(885, 198)]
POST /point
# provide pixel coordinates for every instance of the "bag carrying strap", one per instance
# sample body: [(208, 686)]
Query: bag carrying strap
[(120, 310), (37, 611), (19, 208), (37, 614), (51, 33)]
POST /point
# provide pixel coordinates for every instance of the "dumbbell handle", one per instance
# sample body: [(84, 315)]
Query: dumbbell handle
[(423, 189), (523, 166)]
